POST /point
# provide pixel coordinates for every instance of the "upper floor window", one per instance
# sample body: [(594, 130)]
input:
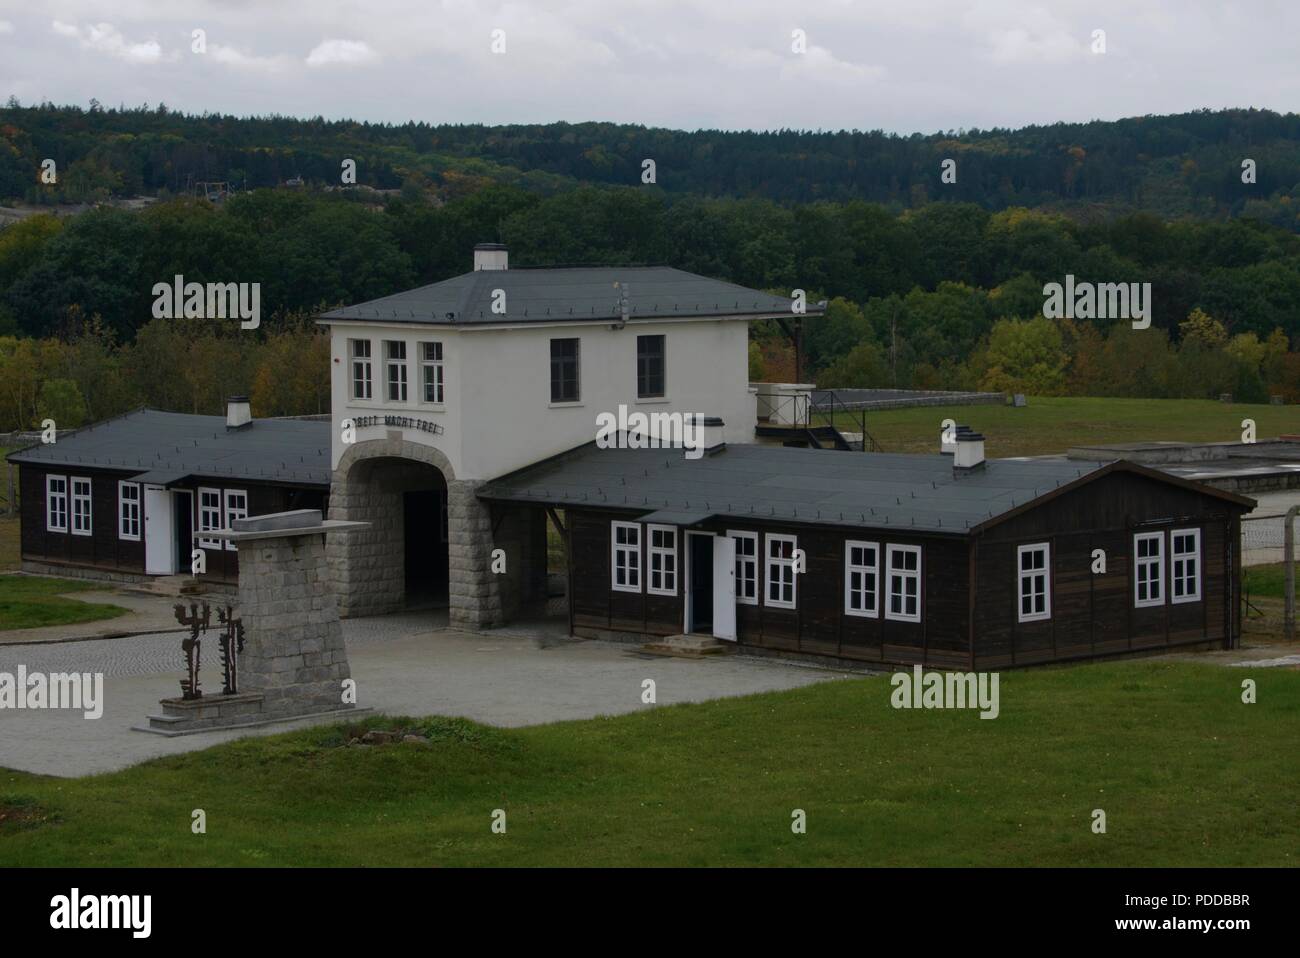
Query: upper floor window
[(662, 560), (861, 578), (395, 364), (780, 571), (431, 371), (649, 367), (362, 376), (625, 542), (81, 506), (56, 503), (1149, 568), (128, 510), (1035, 597), (564, 370), (1185, 559), (746, 566), (904, 570)]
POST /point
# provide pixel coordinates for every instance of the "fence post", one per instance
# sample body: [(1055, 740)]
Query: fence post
[(1288, 560)]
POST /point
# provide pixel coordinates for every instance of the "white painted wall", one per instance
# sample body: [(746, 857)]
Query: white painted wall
[(498, 414)]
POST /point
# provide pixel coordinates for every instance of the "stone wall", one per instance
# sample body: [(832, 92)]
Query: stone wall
[(474, 592), (294, 654)]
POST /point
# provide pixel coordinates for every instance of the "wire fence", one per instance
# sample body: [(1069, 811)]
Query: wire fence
[(1262, 539)]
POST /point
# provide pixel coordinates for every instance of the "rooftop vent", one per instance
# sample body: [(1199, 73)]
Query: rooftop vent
[(969, 455), (239, 414), (491, 256), (708, 435)]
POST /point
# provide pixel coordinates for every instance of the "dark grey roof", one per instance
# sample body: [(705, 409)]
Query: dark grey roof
[(172, 445), (563, 294), (774, 483)]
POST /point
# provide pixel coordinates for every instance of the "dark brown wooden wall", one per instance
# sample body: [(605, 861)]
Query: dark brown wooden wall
[(1094, 614), (818, 624), (104, 550)]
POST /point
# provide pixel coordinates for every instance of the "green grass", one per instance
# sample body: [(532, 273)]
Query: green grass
[(1186, 774), (1052, 425), (9, 548), (1267, 580), (28, 602)]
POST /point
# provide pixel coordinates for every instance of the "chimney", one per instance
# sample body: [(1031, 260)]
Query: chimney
[(491, 256), (239, 415), (948, 440), (969, 455), (707, 433)]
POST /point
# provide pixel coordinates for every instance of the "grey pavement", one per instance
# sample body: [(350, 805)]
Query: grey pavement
[(404, 664)]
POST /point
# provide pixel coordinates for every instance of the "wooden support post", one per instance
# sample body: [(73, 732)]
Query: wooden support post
[(1288, 560)]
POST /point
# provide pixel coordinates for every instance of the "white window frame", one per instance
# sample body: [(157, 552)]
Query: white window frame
[(82, 506), (52, 523), (778, 563), (230, 514), (667, 557), (396, 365), (891, 571), (616, 549), (746, 566), (363, 364), (209, 517), (1177, 559), (1045, 573), (432, 373), (128, 510), (1157, 562), (872, 570)]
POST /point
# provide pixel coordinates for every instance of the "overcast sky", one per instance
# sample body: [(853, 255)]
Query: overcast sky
[(904, 65)]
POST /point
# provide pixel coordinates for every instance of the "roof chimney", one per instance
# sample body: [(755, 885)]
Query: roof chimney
[(239, 414), (969, 455), (948, 438), (491, 256), (705, 435)]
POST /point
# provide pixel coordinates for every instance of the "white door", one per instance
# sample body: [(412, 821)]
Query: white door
[(724, 588), (159, 545)]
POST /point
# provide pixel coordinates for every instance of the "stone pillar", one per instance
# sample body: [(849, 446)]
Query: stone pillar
[(474, 593), (367, 565), (293, 654)]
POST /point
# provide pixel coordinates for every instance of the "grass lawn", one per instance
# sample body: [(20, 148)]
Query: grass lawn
[(1052, 425), (9, 551), (27, 602), (1186, 774), (1269, 580)]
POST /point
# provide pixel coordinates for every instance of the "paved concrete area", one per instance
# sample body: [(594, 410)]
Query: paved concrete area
[(403, 664)]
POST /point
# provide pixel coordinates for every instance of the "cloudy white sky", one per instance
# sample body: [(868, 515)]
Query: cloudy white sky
[(902, 65)]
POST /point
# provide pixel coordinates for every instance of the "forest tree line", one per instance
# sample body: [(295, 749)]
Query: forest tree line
[(1180, 165)]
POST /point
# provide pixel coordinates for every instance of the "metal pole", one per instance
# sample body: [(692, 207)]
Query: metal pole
[(1288, 559)]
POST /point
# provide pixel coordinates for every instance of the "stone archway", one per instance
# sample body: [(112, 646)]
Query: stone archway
[(367, 566)]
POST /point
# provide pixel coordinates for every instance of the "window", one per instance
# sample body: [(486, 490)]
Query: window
[(780, 571), (209, 516), (1035, 597), (395, 364), (56, 503), (236, 508), (746, 566), (564, 370), (1149, 568), (1185, 557), (80, 506), (904, 583), (128, 510), (861, 571), (663, 560), (649, 367), (362, 379), (431, 371), (625, 538)]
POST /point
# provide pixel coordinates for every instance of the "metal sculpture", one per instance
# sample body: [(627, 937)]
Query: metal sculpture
[(232, 643), (198, 623)]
